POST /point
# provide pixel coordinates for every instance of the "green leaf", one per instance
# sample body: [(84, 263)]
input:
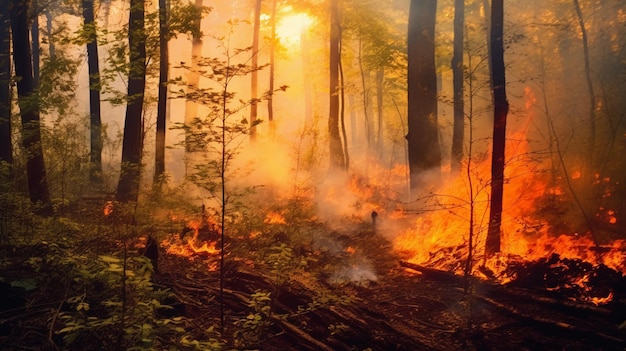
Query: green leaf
[(27, 284)]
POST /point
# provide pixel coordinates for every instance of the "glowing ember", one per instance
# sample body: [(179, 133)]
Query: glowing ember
[(108, 208)]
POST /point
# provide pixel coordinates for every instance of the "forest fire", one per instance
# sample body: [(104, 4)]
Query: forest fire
[(440, 238), (179, 245), (274, 218)]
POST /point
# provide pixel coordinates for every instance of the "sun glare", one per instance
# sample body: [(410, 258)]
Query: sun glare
[(291, 27)]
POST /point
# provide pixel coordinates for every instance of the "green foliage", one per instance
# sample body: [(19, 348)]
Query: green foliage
[(252, 326), (284, 263), (118, 305)]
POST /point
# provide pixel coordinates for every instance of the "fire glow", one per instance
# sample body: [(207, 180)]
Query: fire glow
[(189, 247)]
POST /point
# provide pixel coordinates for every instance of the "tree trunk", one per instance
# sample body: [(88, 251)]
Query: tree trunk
[(342, 102), (159, 154), (457, 81), (95, 118), (501, 109), (29, 106), (337, 160), (270, 99), (128, 185), (6, 146), (191, 107), (592, 95), (36, 50), (423, 134), (380, 79), (254, 75)]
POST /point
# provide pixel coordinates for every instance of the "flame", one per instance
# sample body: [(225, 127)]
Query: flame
[(439, 238), (274, 218), (191, 247)]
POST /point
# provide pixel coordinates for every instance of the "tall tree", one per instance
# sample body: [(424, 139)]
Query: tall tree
[(193, 81), (128, 185), (254, 76), (6, 147), (501, 109), (28, 103), (423, 133), (592, 95), (457, 82), (95, 118), (270, 98), (159, 154), (337, 159)]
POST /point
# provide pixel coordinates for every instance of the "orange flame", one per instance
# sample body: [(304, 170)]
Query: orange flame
[(189, 247), (274, 218)]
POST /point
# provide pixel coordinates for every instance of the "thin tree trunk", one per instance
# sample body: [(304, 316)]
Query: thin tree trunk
[(193, 80), (254, 75), (159, 162), (51, 46), (337, 160), (270, 99), (95, 119), (592, 95), (369, 135), (128, 185), (457, 81), (29, 106), (342, 112), (6, 146), (36, 51), (501, 109), (423, 133), (380, 78)]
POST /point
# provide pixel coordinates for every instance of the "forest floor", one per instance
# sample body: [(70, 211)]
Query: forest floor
[(334, 292), (397, 308)]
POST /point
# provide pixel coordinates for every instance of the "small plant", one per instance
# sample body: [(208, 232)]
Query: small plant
[(253, 326)]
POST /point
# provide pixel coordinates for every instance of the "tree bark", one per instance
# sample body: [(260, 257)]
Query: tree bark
[(95, 118), (161, 123), (423, 134), (270, 98), (191, 107), (29, 106), (254, 75), (6, 146), (128, 185), (380, 79), (592, 95), (501, 109), (457, 81), (337, 160)]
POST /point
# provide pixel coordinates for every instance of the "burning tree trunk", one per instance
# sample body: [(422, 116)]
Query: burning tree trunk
[(423, 135), (501, 109)]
